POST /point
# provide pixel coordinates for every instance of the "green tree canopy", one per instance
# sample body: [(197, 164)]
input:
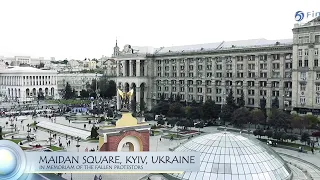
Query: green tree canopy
[(68, 93), (241, 116)]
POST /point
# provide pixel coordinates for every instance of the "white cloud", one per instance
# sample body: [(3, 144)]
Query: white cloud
[(79, 29)]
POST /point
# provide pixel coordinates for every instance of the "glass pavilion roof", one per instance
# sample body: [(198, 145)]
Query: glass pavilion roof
[(230, 156)]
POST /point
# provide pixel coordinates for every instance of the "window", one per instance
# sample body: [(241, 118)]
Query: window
[(199, 90), (219, 67), (263, 66), (318, 76), (275, 65), (303, 75), (181, 89), (239, 75), (276, 56), (159, 88), (191, 67), (166, 88), (302, 100), (306, 52), (251, 66), (229, 67), (218, 91), (315, 51), (199, 67), (251, 92), (300, 63), (316, 63), (317, 87), (240, 66), (250, 101), (263, 92), (190, 89), (288, 65), (182, 67), (300, 52), (306, 63), (318, 99), (229, 75), (263, 75), (219, 75), (302, 87)]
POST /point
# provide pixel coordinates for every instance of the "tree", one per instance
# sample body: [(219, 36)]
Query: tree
[(240, 117), (162, 97), (84, 93), (230, 100), (228, 108), (257, 117), (143, 106), (178, 98), (209, 109), (74, 93), (241, 102), (311, 120), (161, 108), (297, 122), (176, 110), (0, 133), (305, 137), (279, 119), (133, 105), (94, 132), (112, 89), (68, 94), (263, 103), (275, 103), (103, 86), (171, 99), (41, 65)]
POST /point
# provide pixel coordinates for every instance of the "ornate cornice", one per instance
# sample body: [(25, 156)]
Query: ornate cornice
[(226, 51)]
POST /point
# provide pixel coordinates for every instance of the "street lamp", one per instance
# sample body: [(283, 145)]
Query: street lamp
[(50, 138), (78, 145)]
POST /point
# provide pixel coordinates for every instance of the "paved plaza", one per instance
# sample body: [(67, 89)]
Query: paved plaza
[(156, 144)]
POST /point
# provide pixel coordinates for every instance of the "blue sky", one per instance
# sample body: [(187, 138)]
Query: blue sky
[(76, 29)]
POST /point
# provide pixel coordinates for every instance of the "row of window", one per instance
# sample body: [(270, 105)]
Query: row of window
[(227, 58), (251, 66), (218, 99), (303, 100), (276, 84)]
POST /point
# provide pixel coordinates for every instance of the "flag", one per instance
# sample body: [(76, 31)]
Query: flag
[(86, 149)]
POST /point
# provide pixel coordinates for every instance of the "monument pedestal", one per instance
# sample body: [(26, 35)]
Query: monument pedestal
[(126, 131)]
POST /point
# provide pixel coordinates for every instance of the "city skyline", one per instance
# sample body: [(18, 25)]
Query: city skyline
[(78, 30)]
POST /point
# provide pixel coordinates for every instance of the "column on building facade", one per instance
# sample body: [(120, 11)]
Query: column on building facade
[(118, 68), (281, 83), (269, 85), (131, 62), (138, 96), (125, 66), (138, 63)]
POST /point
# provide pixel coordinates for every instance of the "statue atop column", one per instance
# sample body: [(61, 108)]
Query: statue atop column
[(125, 98)]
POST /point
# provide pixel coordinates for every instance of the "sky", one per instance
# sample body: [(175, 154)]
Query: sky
[(77, 29)]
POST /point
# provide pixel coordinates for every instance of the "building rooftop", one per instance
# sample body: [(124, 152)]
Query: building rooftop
[(222, 45), (18, 69), (233, 156)]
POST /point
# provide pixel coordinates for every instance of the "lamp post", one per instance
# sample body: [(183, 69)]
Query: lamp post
[(78, 145), (50, 138)]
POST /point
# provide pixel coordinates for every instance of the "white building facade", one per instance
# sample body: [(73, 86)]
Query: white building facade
[(287, 69), (77, 81), (25, 83)]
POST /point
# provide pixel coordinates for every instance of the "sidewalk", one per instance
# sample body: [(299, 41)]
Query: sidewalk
[(312, 158)]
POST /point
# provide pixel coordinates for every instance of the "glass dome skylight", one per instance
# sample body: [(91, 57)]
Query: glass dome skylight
[(230, 156)]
